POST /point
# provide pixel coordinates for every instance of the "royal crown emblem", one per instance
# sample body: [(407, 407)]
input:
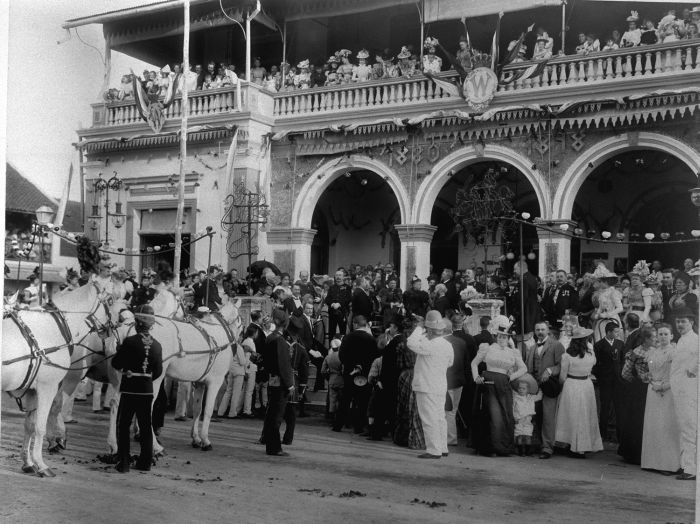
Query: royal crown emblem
[(480, 87)]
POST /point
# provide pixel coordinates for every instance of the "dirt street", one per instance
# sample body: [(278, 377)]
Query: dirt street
[(329, 477)]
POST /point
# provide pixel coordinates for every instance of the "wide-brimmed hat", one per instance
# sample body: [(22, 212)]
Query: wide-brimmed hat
[(405, 53), (603, 273), (433, 320), (343, 53), (333, 59), (581, 332), (633, 17), (430, 43), (304, 64), (532, 386), (363, 54), (500, 325)]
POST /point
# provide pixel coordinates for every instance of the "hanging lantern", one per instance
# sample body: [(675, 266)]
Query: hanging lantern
[(531, 255), (665, 236), (510, 255), (502, 258), (695, 233), (120, 249), (620, 236), (606, 234), (156, 248), (171, 244), (649, 236), (564, 227), (578, 231), (525, 215)]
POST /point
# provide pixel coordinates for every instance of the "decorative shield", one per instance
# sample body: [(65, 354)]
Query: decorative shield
[(155, 116), (480, 87)]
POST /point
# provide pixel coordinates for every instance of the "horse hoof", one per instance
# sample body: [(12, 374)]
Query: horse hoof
[(61, 443), (158, 455), (54, 449), (196, 444), (27, 468), (46, 473), (207, 447)]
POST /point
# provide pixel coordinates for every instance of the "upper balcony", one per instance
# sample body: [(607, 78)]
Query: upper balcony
[(636, 72)]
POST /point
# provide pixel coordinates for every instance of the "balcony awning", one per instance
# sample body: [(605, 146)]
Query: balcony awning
[(436, 10), (307, 9)]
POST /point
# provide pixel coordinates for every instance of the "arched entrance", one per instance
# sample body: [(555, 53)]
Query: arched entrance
[(635, 192), (436, 196), (458, 247), (355, 216)]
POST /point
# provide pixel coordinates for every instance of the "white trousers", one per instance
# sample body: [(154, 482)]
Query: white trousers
[(184, 391), (431, 409), (248, 391), (232, 396), (451, 416), (685, 399)]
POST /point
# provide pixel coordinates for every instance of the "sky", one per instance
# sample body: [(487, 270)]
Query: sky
[(51, 86)]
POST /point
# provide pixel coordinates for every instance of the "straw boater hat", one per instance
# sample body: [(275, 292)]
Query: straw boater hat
[(304, 64), (532, 386), (633, 17), (405, 53), (363, 54)]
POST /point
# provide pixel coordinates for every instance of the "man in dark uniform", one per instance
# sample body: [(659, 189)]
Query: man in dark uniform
[(144, 293), (447, 279), (607, 354), (357, 352), (338, 302), (415, 300), (361, 301), (139, 358), (484, 336), (209, 283), (277, 361), (562, 300)]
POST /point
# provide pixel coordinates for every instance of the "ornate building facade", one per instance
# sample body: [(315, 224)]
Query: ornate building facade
[(368, 172)]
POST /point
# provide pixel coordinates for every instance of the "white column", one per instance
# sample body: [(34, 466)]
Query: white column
[(554, 245), (290, 249), (415, 250)]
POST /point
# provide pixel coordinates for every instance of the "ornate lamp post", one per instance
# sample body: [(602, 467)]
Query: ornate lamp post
[(118, 217), (44, 215), (248, 210)]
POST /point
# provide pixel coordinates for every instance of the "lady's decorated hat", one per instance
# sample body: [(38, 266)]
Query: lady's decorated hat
[(430, 43), (344, 53), (333, 59), (602, 272), (500, 325), (405, 53), (633, 17), (304, 64), (640, 269), (363, 54)]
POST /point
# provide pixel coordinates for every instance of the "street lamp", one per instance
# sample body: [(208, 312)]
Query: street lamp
[(118, 217), (44, 215)]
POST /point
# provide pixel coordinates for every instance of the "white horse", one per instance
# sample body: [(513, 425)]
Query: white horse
[(36, 350), (197, 351)]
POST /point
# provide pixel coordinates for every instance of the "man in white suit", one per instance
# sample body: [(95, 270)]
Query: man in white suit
[(434, 356)]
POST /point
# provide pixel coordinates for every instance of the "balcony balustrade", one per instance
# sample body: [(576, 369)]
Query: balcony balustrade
[(643, 68), (621, 65)]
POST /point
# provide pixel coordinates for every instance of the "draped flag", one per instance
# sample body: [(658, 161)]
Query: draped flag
[(494, 43), (533, 71), (140, 97), (172, 90), (230, 160), (513, 53), (453, 60), (448, 87)]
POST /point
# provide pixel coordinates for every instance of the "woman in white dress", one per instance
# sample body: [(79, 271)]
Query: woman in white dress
[(661, 441), (577, 415), (607, 301)]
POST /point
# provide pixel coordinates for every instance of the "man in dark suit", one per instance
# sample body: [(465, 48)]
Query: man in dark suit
[(528, 288), (415, 300), (293, 305), (277, 360), (634, 335), (144, 293), (460, 383), (562, 301), (447, 279), (484, 336), (607, 353), (357, 352), (361, 301), (307, 287), (207, 294), (338, 302), (544, 361)]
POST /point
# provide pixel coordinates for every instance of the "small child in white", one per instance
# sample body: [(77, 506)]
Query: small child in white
[(523, 410)]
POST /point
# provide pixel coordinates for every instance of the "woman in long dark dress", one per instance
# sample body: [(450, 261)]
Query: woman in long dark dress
[(503, 365), (636, 375), (408, 430)]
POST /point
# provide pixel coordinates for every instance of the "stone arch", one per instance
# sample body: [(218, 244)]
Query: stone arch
[(430, 188), (326, 174), (573, 179)]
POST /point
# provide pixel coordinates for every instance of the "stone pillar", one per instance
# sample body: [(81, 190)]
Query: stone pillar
[(415, 251), (290, 249), (554, 245)]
